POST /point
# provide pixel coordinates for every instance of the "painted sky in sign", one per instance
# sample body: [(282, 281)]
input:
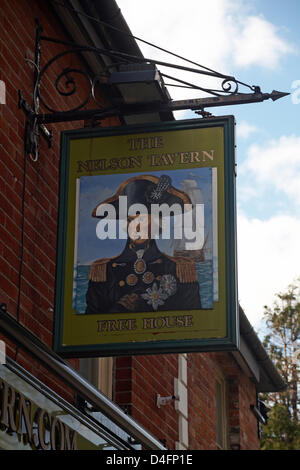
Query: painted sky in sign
[(258, 42)]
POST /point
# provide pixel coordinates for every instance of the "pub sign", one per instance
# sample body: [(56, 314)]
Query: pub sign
[(146, 259)]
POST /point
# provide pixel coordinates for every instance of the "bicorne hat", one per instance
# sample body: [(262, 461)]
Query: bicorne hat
[(146, 190)]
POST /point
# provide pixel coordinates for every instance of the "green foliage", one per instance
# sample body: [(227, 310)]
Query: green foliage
[(281, 432), (283, 322)]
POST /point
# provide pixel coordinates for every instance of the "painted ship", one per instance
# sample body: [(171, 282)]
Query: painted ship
[(190, 187)]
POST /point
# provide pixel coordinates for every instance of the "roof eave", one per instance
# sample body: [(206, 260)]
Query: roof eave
[(264, 373)]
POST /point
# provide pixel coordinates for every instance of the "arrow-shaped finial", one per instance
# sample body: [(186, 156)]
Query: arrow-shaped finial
[(275, 95)]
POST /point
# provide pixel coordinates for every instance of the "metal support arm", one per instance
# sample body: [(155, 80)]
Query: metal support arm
[(69, 79)]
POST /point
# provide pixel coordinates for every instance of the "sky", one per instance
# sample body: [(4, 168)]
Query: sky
[(257, 42)]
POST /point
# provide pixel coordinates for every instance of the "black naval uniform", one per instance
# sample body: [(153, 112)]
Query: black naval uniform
[(142, 279)]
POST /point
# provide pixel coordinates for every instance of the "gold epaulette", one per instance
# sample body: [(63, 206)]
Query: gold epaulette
[(98, 270), (185, 269)]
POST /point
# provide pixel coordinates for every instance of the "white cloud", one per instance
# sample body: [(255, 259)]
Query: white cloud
[(268, 250), (220, 34), (259, 44), (277, 165), (244, 129), (268, 261)]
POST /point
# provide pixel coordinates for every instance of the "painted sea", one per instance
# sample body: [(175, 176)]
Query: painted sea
[(205, 277)]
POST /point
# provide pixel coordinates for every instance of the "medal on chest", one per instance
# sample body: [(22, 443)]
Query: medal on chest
[(139, 264)]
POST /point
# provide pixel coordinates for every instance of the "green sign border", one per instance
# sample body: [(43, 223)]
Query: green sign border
[(231, 340)]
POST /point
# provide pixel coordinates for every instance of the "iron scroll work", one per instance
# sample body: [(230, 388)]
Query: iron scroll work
[(68, 81)]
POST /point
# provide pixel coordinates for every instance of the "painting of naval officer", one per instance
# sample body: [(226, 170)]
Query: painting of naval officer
[(142, 278)]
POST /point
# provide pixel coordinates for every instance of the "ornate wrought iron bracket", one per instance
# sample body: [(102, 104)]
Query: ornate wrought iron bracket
[(68, 79)]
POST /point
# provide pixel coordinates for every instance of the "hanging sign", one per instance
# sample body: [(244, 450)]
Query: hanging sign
[(146, 242)]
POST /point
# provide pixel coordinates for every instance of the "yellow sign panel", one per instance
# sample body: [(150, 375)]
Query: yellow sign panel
[(146, 254)]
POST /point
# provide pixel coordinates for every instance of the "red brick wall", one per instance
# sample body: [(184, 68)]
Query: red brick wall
[(248, 422), (17, 40), (155, 375), (201, 396), (122, 384), (241, 393), (139, 379)]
